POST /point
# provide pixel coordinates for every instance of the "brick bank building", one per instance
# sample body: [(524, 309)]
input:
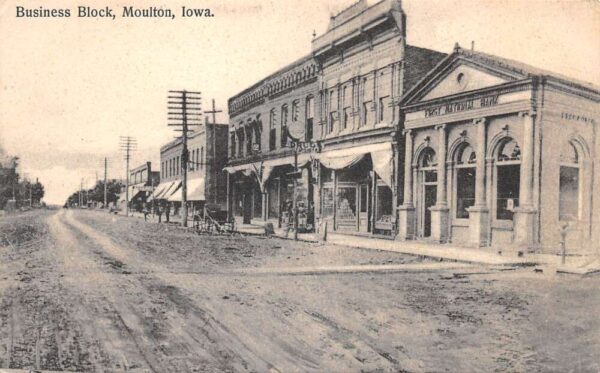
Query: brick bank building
[(409, 143)]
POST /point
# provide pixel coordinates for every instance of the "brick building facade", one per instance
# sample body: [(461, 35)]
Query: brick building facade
[(207, 147)]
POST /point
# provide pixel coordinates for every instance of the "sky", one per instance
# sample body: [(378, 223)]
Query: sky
[(71, 86)]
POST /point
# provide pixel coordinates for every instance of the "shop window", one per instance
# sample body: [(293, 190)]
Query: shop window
[(327, 202), (508, 170), (383, 212), (273, 191), (346, 203), (465, 191)]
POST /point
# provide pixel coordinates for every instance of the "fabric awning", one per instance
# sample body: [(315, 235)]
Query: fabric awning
[(383, 165), (381, 155), (195, 191), (160, 189), (172, 190)]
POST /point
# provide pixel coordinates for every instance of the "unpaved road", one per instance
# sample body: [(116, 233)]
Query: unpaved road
[(86, 291)]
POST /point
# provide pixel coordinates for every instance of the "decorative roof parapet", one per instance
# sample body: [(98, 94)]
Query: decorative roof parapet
[(353, 20), (289, 77)]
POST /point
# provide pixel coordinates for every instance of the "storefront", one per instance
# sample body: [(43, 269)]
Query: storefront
[(356, 189), (492, 162)]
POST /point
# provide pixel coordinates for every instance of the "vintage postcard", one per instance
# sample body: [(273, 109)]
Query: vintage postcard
[(300, 186)]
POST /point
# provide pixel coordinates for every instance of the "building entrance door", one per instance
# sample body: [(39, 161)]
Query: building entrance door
[(363, 208), (429, 200)]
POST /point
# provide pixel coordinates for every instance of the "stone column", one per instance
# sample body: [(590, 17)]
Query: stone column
[(524, 217), (479, 213), (406, 212), (439, 212)]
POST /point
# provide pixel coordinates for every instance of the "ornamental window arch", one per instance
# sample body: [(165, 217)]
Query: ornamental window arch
[(464, 159), (574, 155), (506, 158)]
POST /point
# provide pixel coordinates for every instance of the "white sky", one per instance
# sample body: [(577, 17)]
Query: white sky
[(70, 87)]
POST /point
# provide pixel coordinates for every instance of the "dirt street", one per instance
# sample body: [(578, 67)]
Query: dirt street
[(88, 291)]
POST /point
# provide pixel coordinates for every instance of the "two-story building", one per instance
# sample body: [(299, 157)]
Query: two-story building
[(207, 149), (499, 153), (142, 181)]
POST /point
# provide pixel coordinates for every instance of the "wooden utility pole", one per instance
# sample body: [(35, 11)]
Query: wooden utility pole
[(214, 112), (184, 110), (105, 187), (128, 144)]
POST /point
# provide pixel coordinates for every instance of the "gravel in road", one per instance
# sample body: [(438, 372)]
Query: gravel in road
[(87, 291)]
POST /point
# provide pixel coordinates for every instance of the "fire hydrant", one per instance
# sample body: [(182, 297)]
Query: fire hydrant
[(564, 228)]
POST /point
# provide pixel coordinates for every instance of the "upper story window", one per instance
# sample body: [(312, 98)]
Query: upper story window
[(333, 115), (201, 158), (295, 110), (347, 106), (284, 125), (232, 145), (384, 85), (240, 142), (272, 131), (310, 102)]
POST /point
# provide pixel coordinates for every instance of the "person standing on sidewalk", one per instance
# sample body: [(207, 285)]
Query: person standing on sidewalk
[(158, 211), (167, 210), (145, 211)]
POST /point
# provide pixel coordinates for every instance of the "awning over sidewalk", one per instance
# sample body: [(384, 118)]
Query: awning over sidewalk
[(160, 189), (172, 189), (195, 191), (381, 155)]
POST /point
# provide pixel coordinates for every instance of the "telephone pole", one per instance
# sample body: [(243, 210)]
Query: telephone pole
[(128, 144), (184, 110), (214, 112), (105, 177)]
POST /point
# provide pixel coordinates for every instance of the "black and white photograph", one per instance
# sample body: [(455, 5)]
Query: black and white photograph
[(300, 186)]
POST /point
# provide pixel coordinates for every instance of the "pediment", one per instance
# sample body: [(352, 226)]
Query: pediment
[(462, 78)]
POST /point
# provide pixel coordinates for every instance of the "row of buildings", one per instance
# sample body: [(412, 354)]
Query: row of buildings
[(379, 137), (373, 136), (206, 180)]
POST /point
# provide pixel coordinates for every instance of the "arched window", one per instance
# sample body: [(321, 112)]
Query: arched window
[(309, 114), (233, 145), (428, 179), (569, 190), (284, 125), (428, 158), (508, 178), (465, 179), (296, 111), (272, 130)]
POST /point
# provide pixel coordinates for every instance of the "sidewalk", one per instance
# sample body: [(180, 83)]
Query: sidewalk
[(582, 265), (578, 265)]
